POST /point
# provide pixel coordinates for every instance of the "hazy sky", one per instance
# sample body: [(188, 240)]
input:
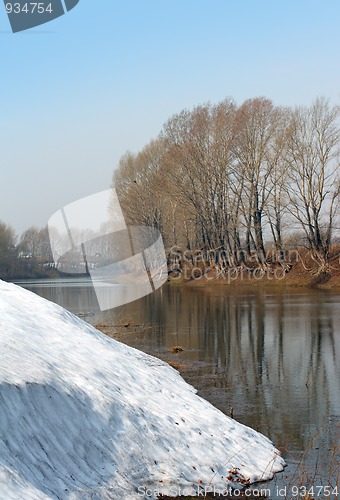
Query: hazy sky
[(78, 92)]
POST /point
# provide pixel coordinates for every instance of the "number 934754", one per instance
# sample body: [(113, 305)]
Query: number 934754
[(29, 8)]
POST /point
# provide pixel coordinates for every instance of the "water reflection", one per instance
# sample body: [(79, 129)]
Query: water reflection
[(272, 356), (76, 295)]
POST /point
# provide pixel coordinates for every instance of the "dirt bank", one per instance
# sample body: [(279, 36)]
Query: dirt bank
[(300, 270)]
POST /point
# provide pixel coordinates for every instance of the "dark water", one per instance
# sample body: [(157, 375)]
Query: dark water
[(273, 355)]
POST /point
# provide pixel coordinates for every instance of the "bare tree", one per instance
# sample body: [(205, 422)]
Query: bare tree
[(277, 200), (254, 129), (313, 190)]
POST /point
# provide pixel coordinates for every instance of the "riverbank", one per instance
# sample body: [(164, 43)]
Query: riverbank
[(300, 270)]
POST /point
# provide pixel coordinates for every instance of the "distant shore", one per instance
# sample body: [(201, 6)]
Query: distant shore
[(299, 270)]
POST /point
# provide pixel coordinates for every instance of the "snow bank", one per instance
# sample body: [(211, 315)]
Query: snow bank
[(83, 416)]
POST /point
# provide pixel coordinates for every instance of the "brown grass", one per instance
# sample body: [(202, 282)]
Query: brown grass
[(301, 270)]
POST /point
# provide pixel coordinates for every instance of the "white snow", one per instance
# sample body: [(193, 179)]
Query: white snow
[(84, 416)]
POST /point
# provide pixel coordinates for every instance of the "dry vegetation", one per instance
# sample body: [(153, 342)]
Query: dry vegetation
[(299, 268)]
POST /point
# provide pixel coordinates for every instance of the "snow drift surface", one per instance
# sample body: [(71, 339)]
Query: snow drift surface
[(83, 416)]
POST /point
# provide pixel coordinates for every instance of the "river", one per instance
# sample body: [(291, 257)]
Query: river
[(271, 354)]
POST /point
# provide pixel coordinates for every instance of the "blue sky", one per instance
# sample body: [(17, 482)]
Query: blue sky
[(78, 92)]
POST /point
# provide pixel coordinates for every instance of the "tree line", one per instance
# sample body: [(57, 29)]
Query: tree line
[(236, 180), (27, 256), (233, 183)]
